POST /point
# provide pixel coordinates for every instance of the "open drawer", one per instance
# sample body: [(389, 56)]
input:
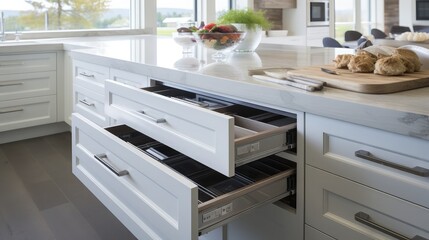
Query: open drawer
[(159, 193), (219, 134)]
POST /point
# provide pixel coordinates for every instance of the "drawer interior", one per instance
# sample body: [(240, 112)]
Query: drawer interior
[(188, 97), (214, 186), (249, 122)]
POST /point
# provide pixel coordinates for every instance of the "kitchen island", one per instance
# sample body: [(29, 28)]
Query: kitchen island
[(339, 134)]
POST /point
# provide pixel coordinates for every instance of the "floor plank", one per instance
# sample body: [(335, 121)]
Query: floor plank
[(20, 217), (41, 198)]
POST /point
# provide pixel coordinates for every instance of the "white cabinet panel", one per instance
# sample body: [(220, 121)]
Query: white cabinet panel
[(332, 145), (129, 78), (217, 140), (14, 86), (22, 63), (314, 234), (150, 187), (90, 76), (90, 105), (27, 112), (334, 205), (152, 200)]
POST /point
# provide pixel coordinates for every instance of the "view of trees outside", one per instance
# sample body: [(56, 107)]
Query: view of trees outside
[(172, 14), (43, 15), (345, 17)]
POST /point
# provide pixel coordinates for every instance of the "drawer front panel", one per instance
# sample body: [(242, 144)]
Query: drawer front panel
[(332, 145), (333, 202), (153, 201), (314, 234), (24, 63), (25, 85), (132, 79), (27, 112), (91, 76), (90, 105), (201, 134)]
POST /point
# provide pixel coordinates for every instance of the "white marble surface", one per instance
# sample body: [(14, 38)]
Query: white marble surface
[(160, 58)]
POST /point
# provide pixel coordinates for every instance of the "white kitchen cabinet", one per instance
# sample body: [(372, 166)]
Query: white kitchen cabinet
[(335, 146), (24, 85), (346, 209), (314, 234), (218, 135), (90, 76), (363, 182), (159, 193), (316, 34), (27, 112), (28, 89), (90, 104), (31, 62), (129, 78), (192, 124)]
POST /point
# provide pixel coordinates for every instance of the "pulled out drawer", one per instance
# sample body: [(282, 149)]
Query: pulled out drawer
[(219, 134), (159, 193)]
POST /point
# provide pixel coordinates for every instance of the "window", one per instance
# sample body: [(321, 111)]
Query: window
[(46, 15), (359, 15), (222, 6), (172, 14), (344, 18)]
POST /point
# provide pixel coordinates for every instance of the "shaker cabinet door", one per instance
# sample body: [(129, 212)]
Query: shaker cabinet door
[(152, 200)]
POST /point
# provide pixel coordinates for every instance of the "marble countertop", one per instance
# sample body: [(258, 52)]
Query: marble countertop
[(161, 58)]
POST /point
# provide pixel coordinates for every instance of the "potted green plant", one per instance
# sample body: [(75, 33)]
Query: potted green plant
[(252, 22)]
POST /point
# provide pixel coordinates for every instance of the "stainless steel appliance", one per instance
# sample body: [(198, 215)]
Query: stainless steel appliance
[(318, 13), (422, 10)]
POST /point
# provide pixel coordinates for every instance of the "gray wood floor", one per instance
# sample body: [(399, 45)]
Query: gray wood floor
[(40, 198)]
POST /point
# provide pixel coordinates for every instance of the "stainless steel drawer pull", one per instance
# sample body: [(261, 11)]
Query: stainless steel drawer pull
[(87, 75), (364, 218), (11, 84), (157, 120), (419, 171), (119, 173), (191, 101), (11, 111), (84, 101)]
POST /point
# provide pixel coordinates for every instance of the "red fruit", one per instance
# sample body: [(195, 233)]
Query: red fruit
[(209, 26), (224, 29)]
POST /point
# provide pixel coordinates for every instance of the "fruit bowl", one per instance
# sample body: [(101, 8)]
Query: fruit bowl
[(185, 40), (221, 42)]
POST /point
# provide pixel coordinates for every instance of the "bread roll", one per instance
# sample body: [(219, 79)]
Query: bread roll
[(410, 55), (361, 64), (390, 66), (342, 60)]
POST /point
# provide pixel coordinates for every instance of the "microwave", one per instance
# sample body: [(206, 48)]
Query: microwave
[(422, 10), (318, 13)]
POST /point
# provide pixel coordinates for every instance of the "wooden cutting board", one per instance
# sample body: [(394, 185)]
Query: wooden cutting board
[(364, 82)]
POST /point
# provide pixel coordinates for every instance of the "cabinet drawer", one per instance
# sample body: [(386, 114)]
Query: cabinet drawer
[(91, 76), (24, 63), (334, 205), (27, 112), (219, 135), (128, 78), (314, 234), (332, 145), (14, 86), (159, 193), (90, 105)]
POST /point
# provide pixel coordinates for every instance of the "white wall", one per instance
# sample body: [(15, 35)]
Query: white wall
[(295, 19)]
